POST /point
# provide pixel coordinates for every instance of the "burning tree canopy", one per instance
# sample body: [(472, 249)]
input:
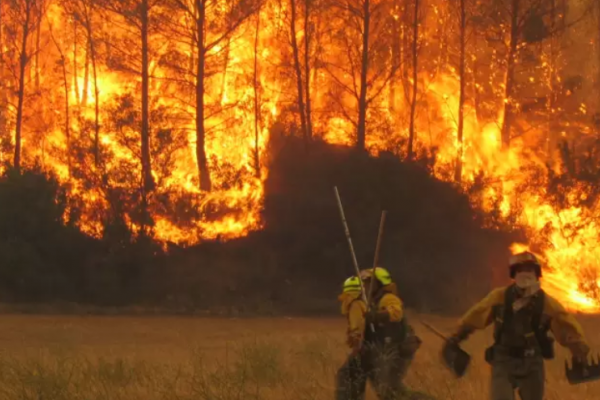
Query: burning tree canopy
[(159, 112)]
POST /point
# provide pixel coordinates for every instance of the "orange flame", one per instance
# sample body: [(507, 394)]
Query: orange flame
[(566, 238)]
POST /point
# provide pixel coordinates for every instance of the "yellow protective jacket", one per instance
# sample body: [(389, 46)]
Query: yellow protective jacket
[(354, 309), (390, 302), (564, 326)]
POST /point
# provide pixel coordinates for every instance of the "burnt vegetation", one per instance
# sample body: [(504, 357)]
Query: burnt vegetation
[(182, 153)]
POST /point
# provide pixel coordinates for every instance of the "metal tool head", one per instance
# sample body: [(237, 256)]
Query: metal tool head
[(582, 372), (456, 359)]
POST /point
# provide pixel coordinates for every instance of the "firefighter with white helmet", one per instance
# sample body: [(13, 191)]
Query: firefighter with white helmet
[(383, 343), (523, 314)]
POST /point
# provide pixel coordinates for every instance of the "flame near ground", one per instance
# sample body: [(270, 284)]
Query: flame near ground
[(566, 237)]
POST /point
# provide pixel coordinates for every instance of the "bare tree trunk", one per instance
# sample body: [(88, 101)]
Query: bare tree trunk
[(75, 66), (461, 100), (307, 36), (204, 174), (147, 179), (3, 84), (96, 102), (598, 49), (362, 100), (477, 98), (63, 63), (37, 59), (396, 54), (256, 102), (87, 24), (415, 63), (298, 69), (67, 113), (146, 162), (86, 75), (23, 60), (510, 74)]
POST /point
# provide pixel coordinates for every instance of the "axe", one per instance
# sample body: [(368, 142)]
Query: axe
[(582, 372), (454, 357)]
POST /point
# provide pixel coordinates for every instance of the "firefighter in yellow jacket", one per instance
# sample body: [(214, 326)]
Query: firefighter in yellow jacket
[(383, 343), (523, 314)]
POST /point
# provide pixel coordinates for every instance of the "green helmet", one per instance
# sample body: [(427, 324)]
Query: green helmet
[(381, 274), (352, 284)]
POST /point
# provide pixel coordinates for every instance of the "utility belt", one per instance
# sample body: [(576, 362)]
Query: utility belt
[(545, 350)]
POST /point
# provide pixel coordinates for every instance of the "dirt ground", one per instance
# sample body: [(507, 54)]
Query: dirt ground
[(172, 341)]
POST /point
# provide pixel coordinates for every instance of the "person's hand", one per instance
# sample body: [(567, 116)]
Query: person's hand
[(354, 341), (580, 353), (377, 316)]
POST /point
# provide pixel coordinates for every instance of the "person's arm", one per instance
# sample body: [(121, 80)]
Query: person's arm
[(567, 331), (390, 309), (356, 323), (479, 316)]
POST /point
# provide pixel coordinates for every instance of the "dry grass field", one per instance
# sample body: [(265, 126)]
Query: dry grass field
[(92, 358)]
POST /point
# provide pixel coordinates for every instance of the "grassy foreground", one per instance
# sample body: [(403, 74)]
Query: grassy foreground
[(63, 358)]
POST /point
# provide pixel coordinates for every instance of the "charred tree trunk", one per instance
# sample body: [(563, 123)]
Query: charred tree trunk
[(396, 54), (86, 76), (461, 100), (96, 102), (204, 174), (598, 49), (510, 74), (415, 65), (87, 24), (256, 102), (63, 64), (307, 35), (362, 100), (3, 85), (23, 60), (75, 66), (148, 181), (298, 70), (67, 112), (37, 60), (477, 98)]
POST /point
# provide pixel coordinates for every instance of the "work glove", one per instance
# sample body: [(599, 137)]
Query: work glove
[(580, 352), (378, 316), (460, 336)]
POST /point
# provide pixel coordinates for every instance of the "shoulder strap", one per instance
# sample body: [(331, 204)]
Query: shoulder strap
[(507, 313), (538, 310)]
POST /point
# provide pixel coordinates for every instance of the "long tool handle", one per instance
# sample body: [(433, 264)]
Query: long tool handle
[(376, 257), (356, 267), (432, 329)]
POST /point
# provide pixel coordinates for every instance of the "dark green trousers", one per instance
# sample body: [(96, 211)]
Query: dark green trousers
[(384, 368), (526, 376)]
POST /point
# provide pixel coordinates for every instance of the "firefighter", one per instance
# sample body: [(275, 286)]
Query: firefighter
[(523, 314), (351, 378), (387, 344)]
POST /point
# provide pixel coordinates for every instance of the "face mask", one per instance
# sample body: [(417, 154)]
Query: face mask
[(525, 279)]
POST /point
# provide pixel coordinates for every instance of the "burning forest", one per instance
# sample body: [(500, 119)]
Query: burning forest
[(164, 113)]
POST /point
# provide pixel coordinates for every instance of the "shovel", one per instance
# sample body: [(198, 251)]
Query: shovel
[(582, 372), (454, 357)]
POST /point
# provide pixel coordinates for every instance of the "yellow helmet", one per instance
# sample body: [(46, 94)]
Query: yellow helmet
[(381, 274), (352, 284), (524, 258)]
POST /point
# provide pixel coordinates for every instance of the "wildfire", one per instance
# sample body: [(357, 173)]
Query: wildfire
[(246, 94)]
